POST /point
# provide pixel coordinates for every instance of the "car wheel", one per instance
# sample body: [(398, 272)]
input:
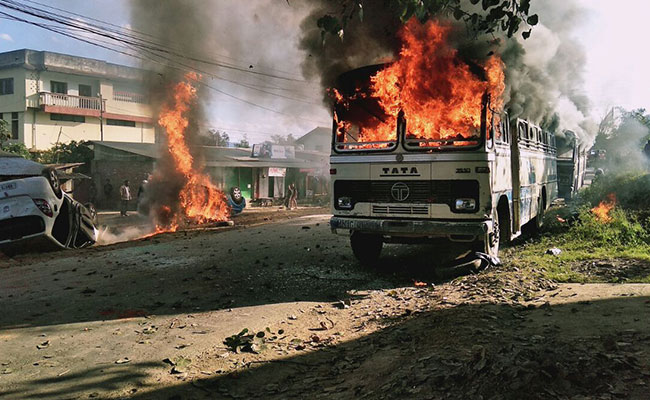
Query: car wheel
[(53, 180), (93, 213), (366, 247)]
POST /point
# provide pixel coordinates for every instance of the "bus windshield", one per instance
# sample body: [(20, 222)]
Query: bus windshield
[(363, 125), (360, 121), (460, 127)]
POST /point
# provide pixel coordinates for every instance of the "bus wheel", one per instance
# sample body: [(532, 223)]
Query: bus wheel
[(366, 247), (491, 240)]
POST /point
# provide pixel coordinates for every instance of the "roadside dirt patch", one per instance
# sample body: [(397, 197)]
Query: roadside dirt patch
[(616, 270)]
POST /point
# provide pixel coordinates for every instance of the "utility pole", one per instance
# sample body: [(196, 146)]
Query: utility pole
[(101, 118)]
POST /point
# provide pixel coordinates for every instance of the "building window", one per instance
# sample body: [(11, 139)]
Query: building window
[(67, 118), (120, 122), (7, 86), (14, 125), (59, 87), (85, 90)]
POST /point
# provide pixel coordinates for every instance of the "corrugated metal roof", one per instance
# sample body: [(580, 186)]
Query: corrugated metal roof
[(12, 165), (219, 156)]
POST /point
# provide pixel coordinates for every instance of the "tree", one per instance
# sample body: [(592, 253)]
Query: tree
[(16, 148), (215, 137), (288, 140), (622, 134), (244, 142), (5, 134), (73, 152), (507, 16)]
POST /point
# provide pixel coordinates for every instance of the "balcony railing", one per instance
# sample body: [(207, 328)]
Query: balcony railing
[(129, 97), (70, 101)]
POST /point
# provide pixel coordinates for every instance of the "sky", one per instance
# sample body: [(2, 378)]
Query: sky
[(612, 32)]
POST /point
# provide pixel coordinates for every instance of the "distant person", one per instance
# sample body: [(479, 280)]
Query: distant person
[(125, 196), (108, 193), (92, 192), (140, 198), (293, 202), (287, 200)]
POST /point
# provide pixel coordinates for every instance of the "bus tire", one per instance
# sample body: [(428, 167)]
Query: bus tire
[(366, 247), (491, 240)]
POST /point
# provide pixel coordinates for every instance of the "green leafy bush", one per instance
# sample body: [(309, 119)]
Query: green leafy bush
[(623, 230), (632, 190)]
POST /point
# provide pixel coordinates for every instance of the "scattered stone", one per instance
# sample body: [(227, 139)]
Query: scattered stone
[(554, 251)]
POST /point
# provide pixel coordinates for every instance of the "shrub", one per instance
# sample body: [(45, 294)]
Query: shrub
[(622, 231)]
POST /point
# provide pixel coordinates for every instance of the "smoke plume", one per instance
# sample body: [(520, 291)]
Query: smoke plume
[(544, 74)]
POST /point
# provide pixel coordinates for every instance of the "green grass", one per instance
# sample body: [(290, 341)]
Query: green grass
[(586, 239)]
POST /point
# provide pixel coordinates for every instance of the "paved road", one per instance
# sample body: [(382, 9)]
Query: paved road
[(106, 322), (87, 304)]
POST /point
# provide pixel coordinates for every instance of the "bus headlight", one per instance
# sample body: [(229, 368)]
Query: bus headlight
[(465, 205), (344, 202)]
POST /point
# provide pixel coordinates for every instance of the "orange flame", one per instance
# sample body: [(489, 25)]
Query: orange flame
[(440, 96), (601, 211), (199, 199)]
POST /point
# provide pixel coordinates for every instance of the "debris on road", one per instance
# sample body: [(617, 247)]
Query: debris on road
[(554, 251)]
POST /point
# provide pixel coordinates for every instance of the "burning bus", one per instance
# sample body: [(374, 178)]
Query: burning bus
[(422, 150)]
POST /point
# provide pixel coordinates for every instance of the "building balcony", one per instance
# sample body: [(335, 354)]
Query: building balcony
[(56, 103), (71, 105)]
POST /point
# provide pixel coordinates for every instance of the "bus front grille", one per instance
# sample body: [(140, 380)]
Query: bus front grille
[(420, 192), (410, 210)]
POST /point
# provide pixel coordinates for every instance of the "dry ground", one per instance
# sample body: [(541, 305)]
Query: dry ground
[(148, 319)]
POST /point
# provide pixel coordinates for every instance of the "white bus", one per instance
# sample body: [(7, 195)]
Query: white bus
[(479, 187)]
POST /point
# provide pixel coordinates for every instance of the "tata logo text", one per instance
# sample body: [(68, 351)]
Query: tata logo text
[(400, 171), (400, 191)]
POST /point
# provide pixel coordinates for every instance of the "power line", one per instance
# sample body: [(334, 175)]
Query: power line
[(123, 28), (153, 51), (125, 38), (117, 50)]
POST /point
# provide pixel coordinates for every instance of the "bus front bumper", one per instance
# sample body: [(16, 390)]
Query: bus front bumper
[(417, 228)]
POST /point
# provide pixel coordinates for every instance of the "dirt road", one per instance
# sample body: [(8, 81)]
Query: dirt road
[(148, 319)]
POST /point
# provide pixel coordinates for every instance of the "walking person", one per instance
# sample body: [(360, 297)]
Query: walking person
[(293, 202), (125, 196), (287, 199)]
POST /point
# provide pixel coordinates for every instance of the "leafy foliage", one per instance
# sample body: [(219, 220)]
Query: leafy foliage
[(491, 16), (622, 134), (632, 190), (288, 140), (5, 134), (243, 143), (623, 230), (16, 148), (214, 137), (73, 152)]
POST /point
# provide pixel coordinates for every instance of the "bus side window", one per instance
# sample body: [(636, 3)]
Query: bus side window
[(522, 131), (497, 126)]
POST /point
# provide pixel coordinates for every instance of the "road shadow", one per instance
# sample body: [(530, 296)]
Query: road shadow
[(298, 260), (461, 352), (91, 383)]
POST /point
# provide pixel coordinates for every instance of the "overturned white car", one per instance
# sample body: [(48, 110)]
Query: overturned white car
[(36, 214)]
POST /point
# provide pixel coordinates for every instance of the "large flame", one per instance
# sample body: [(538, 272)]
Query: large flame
[(440, 95), (199, 200), (601, 211)]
